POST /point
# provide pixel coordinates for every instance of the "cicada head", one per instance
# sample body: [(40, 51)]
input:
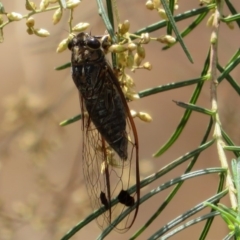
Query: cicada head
[(85, 48)]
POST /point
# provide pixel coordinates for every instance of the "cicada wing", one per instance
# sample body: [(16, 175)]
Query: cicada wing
[(107, 176)]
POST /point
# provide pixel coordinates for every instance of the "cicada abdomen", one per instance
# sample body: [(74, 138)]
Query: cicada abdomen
[(110, 141)]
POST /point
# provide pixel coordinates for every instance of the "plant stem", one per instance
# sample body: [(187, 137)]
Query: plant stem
[(214, 83)]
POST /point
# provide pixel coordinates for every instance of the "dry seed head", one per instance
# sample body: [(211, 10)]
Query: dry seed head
[(40, 32), (13, 16), (149, 5), (44, 4), (132, 46), (145, 38), (72, 4), (141, 51), (116, 48), (147, 65), (137, 59), (57, 16), (80, 27), (162, 14), (30, 22), (30, 6), (124, 27)]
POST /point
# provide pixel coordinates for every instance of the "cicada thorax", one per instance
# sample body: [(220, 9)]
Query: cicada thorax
[(107, 151)]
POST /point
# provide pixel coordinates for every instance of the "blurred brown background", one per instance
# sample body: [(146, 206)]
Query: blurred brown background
[(42, 193)]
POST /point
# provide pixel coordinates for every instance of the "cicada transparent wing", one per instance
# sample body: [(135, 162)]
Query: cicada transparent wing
[(110, 143)]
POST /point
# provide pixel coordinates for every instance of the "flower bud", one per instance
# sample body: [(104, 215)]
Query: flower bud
[(156, 3), (145, 38), (29, 31), (132, 96), (72, 4), (132, 46), (230, 25), (144, 117), (130, 60), (1, 19), (167, 39), (13, 16), (116, 48), (162, 14), (30, 6), (40, 32), (147, 65), (137, 59), (124, 28), (57, 16), (30, 22), (149, 5), (133, 113), (121, 57), (44, 4), (63, 45), (141, 51), (210, 20), (80, 27)]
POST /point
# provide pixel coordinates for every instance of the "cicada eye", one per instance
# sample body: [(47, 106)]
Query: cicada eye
[(93, 43), (70, 44)]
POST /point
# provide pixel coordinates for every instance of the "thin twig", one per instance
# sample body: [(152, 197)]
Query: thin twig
[(214, 84)]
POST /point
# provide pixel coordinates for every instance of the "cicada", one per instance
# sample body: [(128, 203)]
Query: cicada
[(110, 142)]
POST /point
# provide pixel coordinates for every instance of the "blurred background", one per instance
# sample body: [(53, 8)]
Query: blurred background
[(42, 191)]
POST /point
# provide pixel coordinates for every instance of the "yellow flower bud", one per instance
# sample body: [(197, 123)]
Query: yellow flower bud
[(147, 65), (156, 3), (130, 60), (30, 6), (162, 14), (167, 39), (40, 32), (29, 31), (115, 48), (210, 20), (13, 16), (63, 45), (145, 38), (144, 117), (30, 22), (149, 5), (132, 96), (44, 4), (137, 59), (230, 25), (72, 4), (124, 28), (1, 19), (57, 16), (132, 46), (133, 113), (80, 27), (141, 51), (121, 57)]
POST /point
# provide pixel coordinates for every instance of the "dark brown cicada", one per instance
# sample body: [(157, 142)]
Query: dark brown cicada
[(110, 142)]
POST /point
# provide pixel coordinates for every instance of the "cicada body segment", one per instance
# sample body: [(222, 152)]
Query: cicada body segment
[(108, 152)]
